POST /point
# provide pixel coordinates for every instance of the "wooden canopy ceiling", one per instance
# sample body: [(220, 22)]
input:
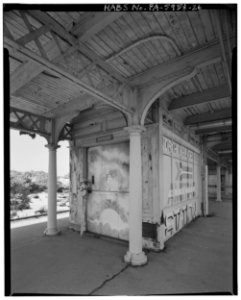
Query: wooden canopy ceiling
[(69, 61)]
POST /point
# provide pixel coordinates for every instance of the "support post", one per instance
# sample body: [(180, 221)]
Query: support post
[(219, 198), (135, 256), (226, 182), (206, 203), (52, 192)]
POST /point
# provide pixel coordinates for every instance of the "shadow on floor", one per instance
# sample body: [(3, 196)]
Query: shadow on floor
[(196, 260)]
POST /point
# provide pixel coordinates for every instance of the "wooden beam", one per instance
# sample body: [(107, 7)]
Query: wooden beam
[(209, 95), (58, 29), (23, 74), (218, 115), (32, 35), (217, 20), (222, 146), (48, 65), (189, 60), (96, 22), (215, 129), (76, 104)]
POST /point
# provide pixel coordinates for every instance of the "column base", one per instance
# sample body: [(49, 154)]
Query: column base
[(51, 231), (135, 259)]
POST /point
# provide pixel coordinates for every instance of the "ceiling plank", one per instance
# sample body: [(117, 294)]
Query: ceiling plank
[(76, 104), (214, 129), (221, 114), (222, 146), (217, 20), (48, 65), (84, 30), (32, 35), (58, 29), (209, 95), (190, 59), (23, 74)]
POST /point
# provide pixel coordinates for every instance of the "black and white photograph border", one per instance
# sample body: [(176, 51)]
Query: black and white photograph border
[(120, 153)]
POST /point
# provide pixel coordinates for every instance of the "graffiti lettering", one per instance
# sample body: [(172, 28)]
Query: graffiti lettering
[(175, 219)]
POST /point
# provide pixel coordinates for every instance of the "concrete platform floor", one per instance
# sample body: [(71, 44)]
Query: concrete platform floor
[(197, 260)]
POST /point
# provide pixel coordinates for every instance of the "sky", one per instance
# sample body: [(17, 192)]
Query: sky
[(27, 154)]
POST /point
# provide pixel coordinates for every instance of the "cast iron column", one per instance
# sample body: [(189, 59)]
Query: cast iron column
[(219, 198), (135, 255), (52, 191)]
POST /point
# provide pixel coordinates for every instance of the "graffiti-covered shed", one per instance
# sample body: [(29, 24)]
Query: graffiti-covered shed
[(144, 97)]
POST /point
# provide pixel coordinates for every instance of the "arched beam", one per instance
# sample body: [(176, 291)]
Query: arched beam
[(160, 37), (162, 90), (152, 93)]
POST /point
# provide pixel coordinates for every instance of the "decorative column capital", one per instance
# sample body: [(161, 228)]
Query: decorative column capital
[(135, 129), (52, 147)]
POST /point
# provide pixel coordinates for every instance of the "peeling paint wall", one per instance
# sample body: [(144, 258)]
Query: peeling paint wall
[(150, 174), (181, 194), (108, 203), (78, 193)]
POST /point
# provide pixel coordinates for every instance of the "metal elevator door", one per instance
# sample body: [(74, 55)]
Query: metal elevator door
[(108, 203)]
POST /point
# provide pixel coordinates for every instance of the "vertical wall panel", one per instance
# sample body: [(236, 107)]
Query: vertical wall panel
[(181, 184), (77, 188), (108, 203), (150, 174)]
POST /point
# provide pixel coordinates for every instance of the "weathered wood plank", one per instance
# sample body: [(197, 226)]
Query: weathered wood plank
[(23, 74), (94, 24), (206, 96), (194, 57), (59, 71), (207, 117), (32, 35), (213, 129)]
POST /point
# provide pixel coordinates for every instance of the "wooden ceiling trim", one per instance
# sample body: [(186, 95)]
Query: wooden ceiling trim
[(178, 33), (128, 36), (144, 40), (27, 104), (114, 40), (208, 28), (155, 30), (226, 128), (197, 27), (57, 70), (202, 82), (54, 26), (220, 35), (200, 56), (133, 57), (14, 64), (207, 117), (32, 35), (94, 25), (17, 29), (144, 30), (23, 74), (6, 31), (133, 54), (188, 29), (36, 39), (75, 104), (133, 30), (58, 87), (210, 95), (219, 73), (40, 97)]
